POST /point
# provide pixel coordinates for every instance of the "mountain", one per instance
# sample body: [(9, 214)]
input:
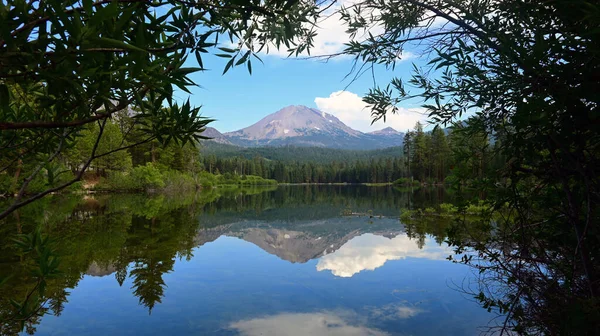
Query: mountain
[(216, 136), (389, 135), (308, 127), (388, 131)]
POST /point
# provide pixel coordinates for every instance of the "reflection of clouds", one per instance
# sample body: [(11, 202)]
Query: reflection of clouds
[(407, 312), (369, 251), (395, 311), (302, 324)]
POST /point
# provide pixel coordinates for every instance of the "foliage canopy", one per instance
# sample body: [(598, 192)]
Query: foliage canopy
[(527, 74)]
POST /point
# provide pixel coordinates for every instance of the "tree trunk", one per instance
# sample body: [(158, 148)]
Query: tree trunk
[(17, 174), (153, 153)]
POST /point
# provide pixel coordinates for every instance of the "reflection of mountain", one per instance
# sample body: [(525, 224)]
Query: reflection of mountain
[(298, 224), (100, 270), (293, 246), (299, 242), (345, 250)]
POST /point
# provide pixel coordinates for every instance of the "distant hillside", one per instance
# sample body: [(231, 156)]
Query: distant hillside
[(299, 154), (216, 136)]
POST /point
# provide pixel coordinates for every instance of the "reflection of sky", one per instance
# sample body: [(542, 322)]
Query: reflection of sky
[(233, 286), (369, 251), (303, 324)]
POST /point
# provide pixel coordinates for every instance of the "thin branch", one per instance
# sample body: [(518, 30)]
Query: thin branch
[(60, 124), (39, 167), (53, 124)]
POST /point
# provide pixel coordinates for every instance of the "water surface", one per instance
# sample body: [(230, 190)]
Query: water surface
[(300, 260)]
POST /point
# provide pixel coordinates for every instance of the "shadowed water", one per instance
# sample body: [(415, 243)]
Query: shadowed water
[(301, 260)]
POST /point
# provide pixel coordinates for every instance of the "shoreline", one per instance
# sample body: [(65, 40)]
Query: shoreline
[(234, 186)]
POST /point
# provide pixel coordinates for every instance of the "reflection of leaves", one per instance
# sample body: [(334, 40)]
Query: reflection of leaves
[(151, 208), (103, 231), (4, 280), (45, 267)]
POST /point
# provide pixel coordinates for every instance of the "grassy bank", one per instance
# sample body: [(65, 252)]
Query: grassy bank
[(151, 178)]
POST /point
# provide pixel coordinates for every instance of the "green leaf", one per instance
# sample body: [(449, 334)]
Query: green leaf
[(119, 44), (243, 59), (186, 71), (199, 59), (229, 50), (5, 280), (4, 97), (88, 6), (229, 65)]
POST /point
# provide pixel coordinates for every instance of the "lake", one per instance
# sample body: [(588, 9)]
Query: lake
[(296, 260)]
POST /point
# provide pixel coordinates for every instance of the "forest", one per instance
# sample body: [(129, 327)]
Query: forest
[(429, 157)]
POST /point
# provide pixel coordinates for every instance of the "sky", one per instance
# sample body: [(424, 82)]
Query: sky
[(238, 99)]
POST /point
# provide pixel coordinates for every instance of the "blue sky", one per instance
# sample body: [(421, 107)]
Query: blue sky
[(238, 99)]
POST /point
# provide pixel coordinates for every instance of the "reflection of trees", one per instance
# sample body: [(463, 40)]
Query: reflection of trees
[(148, 283), (110, 232), (320, 202), (153, 246), (121, 267), (420, 227)]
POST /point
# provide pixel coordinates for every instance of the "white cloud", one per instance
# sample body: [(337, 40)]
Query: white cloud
[(352, 111), (369, 251), (331, 33), (332, 36), (301, 324)]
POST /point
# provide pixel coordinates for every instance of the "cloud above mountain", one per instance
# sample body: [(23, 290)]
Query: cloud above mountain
[(351, 110), (332, 35), (369, 251)]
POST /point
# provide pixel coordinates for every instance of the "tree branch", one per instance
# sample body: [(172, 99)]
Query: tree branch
[(39, 167), (53, 124)]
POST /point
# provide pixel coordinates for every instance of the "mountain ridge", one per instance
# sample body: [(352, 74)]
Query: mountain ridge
[(386, 131), (302, 126)]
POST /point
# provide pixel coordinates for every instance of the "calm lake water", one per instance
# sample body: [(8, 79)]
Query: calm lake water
[(298, 260)]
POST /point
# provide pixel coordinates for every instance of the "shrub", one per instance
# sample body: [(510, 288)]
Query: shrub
[(448, 209), (478, 208), (206, 185), (139, 178), (148, 177), (406, 182), (175, 181)]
